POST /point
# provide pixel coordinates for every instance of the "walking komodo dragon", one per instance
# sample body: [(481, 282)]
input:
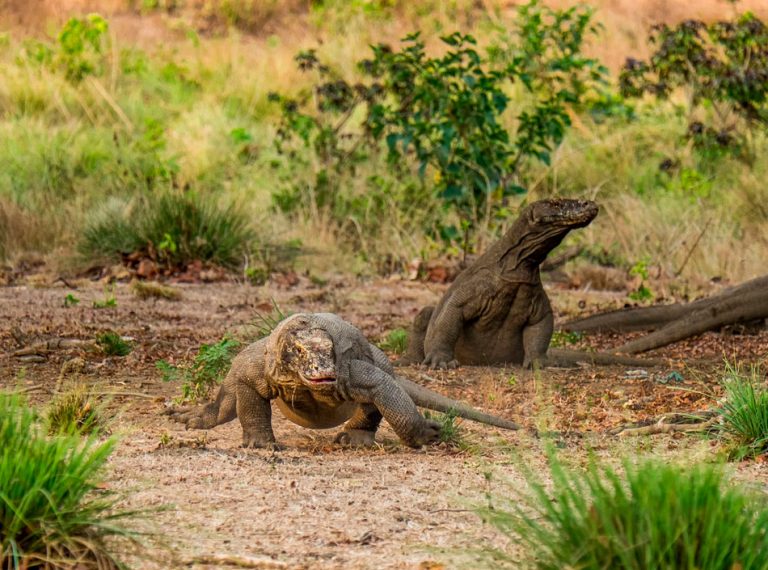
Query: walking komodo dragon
[(323, 372), (496, 311)]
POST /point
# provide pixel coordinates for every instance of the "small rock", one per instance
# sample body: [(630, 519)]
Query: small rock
[(147, 269), (639, 373), (673, 376)]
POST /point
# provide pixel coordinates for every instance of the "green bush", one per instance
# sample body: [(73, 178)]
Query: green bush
[(53, 513), (78, 49), (207, 370), (441, 117), (744, 412), (173, 229), (724, 67), (654, 516)]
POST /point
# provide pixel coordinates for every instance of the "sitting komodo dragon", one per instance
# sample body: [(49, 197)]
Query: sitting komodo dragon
[(323, 372), (496, 311)]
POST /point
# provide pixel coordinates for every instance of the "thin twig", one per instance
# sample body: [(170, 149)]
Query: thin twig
[(239, 561), (693, 248), (99, 88), (129, 394), (661, 427)]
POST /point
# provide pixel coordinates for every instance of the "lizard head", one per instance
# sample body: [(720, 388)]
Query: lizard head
[(305, 352), (562, 213), (541, 227)]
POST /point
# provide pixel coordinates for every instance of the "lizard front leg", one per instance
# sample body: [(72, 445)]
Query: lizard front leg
[(441, 337), (416, 335), (361, 428), (466, 303), (255, 413), (536, 339), (370, 385)]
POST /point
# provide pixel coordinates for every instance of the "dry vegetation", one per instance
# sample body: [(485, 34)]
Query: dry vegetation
[(57, 137)]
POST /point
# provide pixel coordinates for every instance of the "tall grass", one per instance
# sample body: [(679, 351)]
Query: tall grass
[(655, 515), (172, 228), (744, 411), (53, 513)]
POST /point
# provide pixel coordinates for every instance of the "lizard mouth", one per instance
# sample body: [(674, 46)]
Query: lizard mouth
[(318, 379)]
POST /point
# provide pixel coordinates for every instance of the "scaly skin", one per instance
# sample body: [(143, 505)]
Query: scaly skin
[(496, 311), (322, 372)]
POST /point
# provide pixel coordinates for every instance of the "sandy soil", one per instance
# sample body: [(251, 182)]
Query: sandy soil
[(317, 505)]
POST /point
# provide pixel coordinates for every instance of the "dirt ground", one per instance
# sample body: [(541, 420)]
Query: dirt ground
[(317, 505)]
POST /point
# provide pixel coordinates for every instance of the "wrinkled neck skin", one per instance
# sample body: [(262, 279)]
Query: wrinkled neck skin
[(525, 248), (518, 255)]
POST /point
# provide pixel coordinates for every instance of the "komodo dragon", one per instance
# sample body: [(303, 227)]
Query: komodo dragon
[(496, 311), (323, 372)]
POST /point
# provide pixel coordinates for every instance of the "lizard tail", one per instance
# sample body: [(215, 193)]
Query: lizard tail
[(426, 398)]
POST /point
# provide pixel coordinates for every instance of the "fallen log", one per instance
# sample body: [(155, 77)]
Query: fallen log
[(659, 316), (561, 357), (726, 311)]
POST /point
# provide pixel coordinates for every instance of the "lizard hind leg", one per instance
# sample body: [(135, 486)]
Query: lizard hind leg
[(220, 411), (361, 428)]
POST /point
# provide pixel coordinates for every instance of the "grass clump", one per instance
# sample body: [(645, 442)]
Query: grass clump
[(207, 370), (744, 412), (74, 411), (148, 290), (451, 432), (265, 323), (396, 341), (173, 229), (52, 511), (109, 301), (655, 515), (112, 344)]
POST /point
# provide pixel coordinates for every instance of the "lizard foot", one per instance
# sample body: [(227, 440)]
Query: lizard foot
[(270, 445), (260, 441), (438, 360), (429, 433), (355, 438), (191, 417)]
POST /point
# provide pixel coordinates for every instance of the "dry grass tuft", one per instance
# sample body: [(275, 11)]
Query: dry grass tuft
[(22, 230), (151, 290)]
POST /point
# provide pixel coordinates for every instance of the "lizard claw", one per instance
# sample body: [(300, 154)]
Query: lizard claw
[(440, 361), (258, 439), (189, 416), (269, 445), (355, 437), (430, 433)]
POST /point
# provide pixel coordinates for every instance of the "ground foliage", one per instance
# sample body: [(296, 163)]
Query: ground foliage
[(653, 515), (744, 411), (76, 410), (208, 368), (171, 229), (52, 513)]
